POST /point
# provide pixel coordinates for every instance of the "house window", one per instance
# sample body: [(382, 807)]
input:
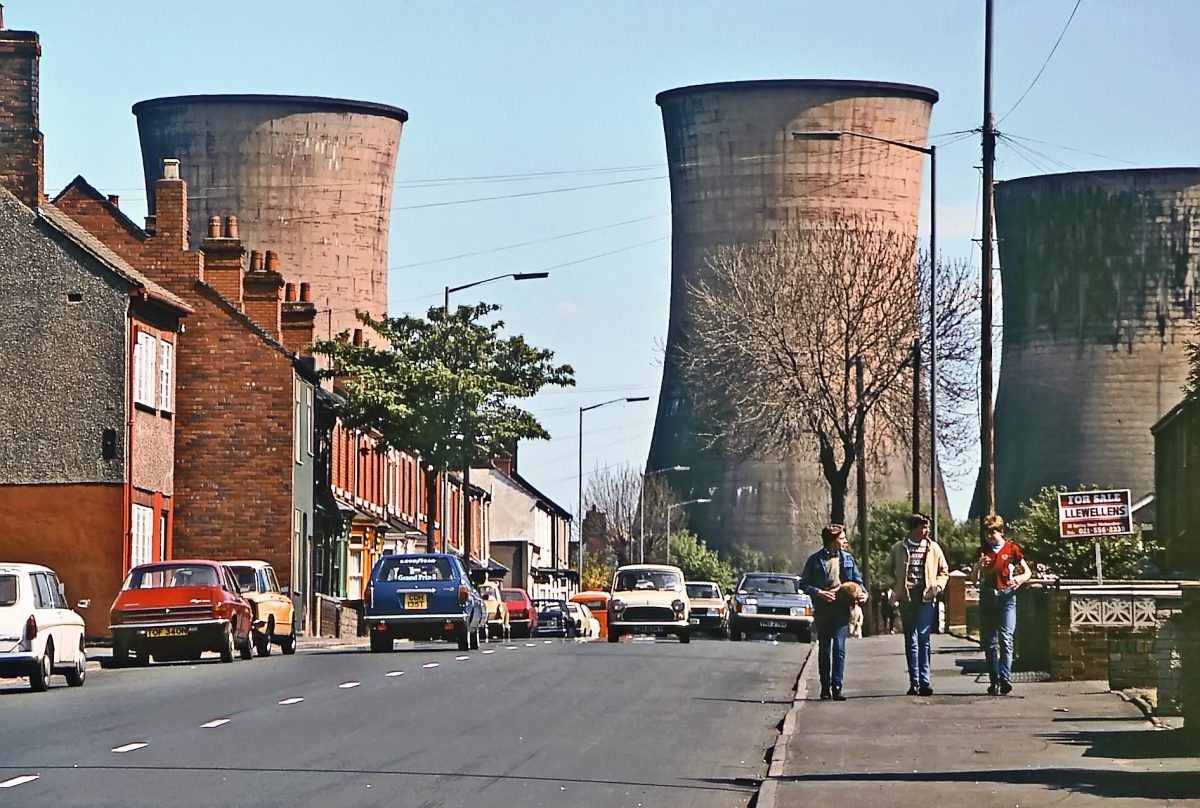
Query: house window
[(297, 552), (354, 573), (166, 366), (308, 418), (162, 536), (297, 421), (143, 535), (143, 369)]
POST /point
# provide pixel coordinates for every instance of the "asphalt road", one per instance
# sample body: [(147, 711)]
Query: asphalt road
[(524, 723)]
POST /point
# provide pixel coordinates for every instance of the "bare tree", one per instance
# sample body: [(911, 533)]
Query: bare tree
[(617, 493), (776, 331)]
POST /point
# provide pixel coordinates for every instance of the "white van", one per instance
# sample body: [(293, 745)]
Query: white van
[(39, 633)]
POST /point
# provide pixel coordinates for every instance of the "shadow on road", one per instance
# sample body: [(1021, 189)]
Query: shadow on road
[(1133, 744)]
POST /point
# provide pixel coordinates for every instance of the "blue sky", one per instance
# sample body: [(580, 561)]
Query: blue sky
[(507, 88)]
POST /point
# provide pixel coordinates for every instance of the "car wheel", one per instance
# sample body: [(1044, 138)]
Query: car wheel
[(76, 675), (473, 643), (613, 636), (143, 659), (464, 638), (247, 648), (735, 633), (120, 653), (685, 636), (39, 680), (263, 640), (380, 643), (288, 643), (804, 635), (227, 645)]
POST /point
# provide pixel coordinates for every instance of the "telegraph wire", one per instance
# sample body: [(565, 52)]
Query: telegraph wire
[(1073, 149), (1049, 56)]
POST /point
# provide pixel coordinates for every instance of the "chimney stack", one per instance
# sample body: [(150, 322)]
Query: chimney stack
[(22, 147), (263, 295), (298, 316), (170, 207), (223, 258), (115, 201)]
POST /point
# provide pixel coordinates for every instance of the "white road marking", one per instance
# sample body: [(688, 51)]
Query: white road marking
[(216, 722), (348, 685), (531, 645), (511, 647), (130, 747), (430, 665), (394, 673), (461, 658), (292, 700), (19, 781), (490, 651), (547, 642)]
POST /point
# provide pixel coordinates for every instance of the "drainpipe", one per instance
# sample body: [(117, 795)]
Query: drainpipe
[(127, 488)]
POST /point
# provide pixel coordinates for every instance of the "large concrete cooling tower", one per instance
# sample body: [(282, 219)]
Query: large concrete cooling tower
[(310, 178), (736, 173), (1098, 271)]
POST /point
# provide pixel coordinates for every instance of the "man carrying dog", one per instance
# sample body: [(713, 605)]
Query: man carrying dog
[(824, 573), (918, 571)]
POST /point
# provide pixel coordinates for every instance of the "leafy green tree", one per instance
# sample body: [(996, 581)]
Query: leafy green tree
[(743, 558), (598, 570), (1036, 531), (443, 388), (698, 561), (888, 523)]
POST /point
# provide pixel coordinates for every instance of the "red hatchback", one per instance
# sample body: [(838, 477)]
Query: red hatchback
[(522, 617), (178, 610)]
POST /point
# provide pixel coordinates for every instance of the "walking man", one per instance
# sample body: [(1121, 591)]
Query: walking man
[(917, 567), (824, 573), (1000, 571)]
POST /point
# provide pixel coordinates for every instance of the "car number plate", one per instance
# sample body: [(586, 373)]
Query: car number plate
[(170, 631), (772, 624), (415, 602), (694, 621)]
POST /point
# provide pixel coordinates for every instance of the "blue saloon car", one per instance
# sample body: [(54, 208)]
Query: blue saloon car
[(424, 596), (770, 602)]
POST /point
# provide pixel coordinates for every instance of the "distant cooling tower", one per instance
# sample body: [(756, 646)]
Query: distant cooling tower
[(1098, 271), (736, 174), (310, 178)]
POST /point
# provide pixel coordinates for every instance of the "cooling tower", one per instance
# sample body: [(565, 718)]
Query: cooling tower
[(310, 178), (1098, 271), (736, 173)]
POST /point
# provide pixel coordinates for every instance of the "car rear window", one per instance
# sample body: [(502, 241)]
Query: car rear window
[(703, 591), (512, 597), (166, 576), (594, 605), (8, 590), (772, 586), (414, 569), (247, 579)]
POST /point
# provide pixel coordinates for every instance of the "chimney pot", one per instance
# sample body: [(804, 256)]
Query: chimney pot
[(358, 338), (214, 226), (231, 227), (272, 264), (255, 261), (114, 200), (289, 292), (170, 169), (306, 291), (150, 225)]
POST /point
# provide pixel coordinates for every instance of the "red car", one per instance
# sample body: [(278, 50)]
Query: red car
[(522, 616), (178, 610)]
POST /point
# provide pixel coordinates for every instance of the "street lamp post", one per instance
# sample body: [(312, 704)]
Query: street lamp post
[(671, 507), (931, 150), (579, 503), (642, 507), (466, 472)]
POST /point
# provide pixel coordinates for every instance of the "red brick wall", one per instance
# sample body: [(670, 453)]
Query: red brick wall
[(22, 158)]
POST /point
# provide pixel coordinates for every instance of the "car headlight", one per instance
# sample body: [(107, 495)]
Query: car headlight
[(749, 608), (750, 601), (678, 606), (797, 611), (617, 606)]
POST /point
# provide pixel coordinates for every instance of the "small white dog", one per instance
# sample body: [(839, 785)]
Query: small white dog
[(856, 621), (854, 593)]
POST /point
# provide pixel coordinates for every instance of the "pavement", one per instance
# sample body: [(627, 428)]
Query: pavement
[(1049, 743)]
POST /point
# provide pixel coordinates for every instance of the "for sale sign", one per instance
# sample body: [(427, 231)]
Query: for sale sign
[(1095, 513)]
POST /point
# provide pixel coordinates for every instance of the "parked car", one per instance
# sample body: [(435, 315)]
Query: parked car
[(522, 616), (553, 620), (597, 604), (770, 601), (274, 613), (178, 610), (497, 610), (424, 596), (581, 616), (650, 599), (709, 611), (40, 635)]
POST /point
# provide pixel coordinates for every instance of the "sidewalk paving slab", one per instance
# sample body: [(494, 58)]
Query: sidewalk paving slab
[(1049, 743)]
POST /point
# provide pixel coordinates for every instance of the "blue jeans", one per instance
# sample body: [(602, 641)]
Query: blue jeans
[(916, 617), (997, 622), (831, 651)]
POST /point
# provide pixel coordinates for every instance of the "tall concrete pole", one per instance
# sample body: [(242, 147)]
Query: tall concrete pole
[(916, 426), (933, 346), (863, 533), (987, 452)]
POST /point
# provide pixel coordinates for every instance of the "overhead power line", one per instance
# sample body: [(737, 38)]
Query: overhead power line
[(1049, 56)]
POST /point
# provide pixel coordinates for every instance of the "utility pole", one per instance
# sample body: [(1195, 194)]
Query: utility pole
[(860, 444), (987, 449), (916, 426)]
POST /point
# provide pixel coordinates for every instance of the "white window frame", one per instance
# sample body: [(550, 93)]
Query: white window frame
[(297, 417), (166, 369), (144, 358), (141, 548), (308, 415), (163, 529)]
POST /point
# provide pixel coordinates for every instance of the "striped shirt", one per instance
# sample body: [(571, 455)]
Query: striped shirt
[(915, 579)]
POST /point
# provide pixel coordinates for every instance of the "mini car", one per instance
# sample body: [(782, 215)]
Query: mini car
[(39, 633), (771, 602), (178, 610), (522, 616), (497, 611), (424, 596), (597, 603), (274, 622), (709, 611), (581, 616), (553, 619), (649, 599)]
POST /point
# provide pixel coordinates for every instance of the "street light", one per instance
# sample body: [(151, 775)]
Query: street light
[(642, 507), (672, 507), (931, 150), (466, 479), (579, 505)]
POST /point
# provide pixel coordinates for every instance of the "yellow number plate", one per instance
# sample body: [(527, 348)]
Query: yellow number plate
[(173, 631), (415, 602)]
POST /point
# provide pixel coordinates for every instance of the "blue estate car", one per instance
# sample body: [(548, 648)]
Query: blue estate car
[(772, 602), (424, 596)]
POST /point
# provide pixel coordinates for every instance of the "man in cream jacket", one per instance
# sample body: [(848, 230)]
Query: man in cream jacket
[(917, 570)]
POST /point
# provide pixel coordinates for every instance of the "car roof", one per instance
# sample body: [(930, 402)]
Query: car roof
[(183, 561), (19, 566), (245, 563), (769, 575), (701, 583), (635, 567), (591, 594)]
